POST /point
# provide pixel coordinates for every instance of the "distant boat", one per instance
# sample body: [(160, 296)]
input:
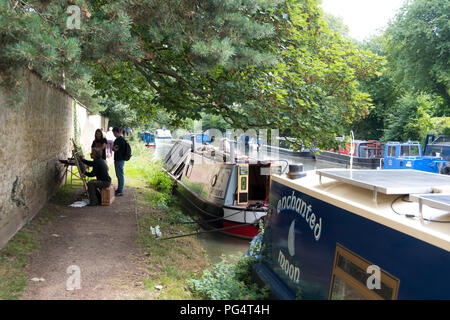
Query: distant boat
[(367, 154), (163, 134), (149, 138), (437, 147), (408, 155), (201, 138), (227, 194)]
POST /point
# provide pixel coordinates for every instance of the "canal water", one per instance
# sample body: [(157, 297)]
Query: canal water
[(217, 244)]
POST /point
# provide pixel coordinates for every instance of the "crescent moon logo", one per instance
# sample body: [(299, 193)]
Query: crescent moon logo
[(291, 239)]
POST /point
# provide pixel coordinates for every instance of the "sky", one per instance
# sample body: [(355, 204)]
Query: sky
[(363, 17)]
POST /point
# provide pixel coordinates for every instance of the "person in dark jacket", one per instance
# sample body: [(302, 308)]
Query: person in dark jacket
[(100, 171), (119, 149)]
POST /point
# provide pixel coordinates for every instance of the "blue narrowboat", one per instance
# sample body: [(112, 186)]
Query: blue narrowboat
[(409, 155), (149, 138), (357, 234), (201, 138), (437, 147)]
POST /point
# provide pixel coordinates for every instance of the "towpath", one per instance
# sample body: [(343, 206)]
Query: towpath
[(98, 244)]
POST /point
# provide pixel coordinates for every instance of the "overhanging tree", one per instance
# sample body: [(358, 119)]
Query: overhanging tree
[(257, 63)]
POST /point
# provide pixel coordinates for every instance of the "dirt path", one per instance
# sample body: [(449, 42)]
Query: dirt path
[(100, 241)]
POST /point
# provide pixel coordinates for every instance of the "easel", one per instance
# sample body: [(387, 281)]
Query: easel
[(76, 155)]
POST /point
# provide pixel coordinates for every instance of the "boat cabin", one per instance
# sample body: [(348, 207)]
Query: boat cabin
[(149, 138), (437, 147), (357, 234), (216, 186), (201, 138), (408, 155)]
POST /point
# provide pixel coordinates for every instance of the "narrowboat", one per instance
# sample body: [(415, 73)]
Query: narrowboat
[(409, 155), (366, 154), (228, 193), (304, 153), (283, 148), (201, 138), (163, 134), (345, 234), (149, 138), (437, 147)]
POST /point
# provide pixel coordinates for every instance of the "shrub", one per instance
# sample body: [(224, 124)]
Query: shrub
[(228, 281)]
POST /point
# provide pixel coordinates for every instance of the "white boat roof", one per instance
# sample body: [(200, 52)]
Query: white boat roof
[(354, 192), (399, 181)]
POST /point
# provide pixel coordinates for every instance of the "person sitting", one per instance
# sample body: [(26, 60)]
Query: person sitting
[(100, 142), (100, 171)]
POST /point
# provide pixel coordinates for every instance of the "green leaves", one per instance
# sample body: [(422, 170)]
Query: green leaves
[(418, 46), (255, 63)]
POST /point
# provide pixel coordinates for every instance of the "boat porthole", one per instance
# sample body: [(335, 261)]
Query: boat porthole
[(213, 180)]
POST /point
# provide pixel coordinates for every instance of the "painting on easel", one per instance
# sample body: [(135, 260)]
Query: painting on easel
[(77, 155)]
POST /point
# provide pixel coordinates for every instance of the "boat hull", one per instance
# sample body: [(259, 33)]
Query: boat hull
[(344, 160), (240, 223)]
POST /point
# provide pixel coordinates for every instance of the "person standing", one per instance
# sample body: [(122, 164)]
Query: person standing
[(100, 142), (119, 149), (110, 140), (100, 171)]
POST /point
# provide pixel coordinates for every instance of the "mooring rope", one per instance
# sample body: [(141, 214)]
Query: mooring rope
[(208, 231), (207, 213), (207, 220)]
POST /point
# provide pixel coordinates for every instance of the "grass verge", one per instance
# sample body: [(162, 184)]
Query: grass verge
[(14, 257), (168, 262), (177, 264)]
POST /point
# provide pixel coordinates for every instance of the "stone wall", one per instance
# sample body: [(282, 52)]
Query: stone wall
[(33, 136), (86, 126)]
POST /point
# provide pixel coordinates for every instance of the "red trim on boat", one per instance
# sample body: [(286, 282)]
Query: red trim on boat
[(244, 231)]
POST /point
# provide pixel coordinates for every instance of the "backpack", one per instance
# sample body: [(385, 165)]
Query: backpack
[(127, 154)]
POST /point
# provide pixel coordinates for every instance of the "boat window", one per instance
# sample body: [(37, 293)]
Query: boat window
[(175, 155), (350, 276), (342, 291), (391, 151), (410, 151), (179, 170), (404, 151), (414, 151), (436, 150)]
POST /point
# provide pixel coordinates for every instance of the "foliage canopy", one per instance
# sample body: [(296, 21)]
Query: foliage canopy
[(256, 63)]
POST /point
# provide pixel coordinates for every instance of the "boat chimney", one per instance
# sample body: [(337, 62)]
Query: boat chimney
[(193, 143), (296, 171)]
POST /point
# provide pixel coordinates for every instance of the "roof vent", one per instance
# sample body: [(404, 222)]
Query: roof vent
[(296, 171)]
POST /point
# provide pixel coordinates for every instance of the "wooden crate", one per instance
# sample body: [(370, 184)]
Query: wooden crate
[(108, 196)]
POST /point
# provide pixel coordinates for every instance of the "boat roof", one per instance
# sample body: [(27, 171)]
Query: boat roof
[(354, 190), (399, 181)]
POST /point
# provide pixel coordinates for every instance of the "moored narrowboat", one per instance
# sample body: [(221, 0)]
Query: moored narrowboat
[(408, 155), (163, 134), (228, 194), (358, 234), (365, 154), (437, 147), (149, 139)]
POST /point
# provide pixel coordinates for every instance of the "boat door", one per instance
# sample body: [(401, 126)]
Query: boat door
[(243, 170), (390, 155)]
